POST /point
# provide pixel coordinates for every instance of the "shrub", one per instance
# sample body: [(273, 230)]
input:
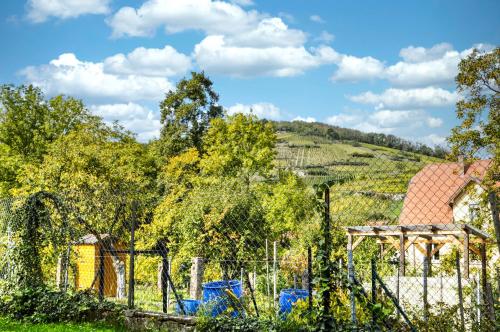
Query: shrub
[(44, 305)]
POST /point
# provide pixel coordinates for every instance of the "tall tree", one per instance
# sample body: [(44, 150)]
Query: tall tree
[(186, 114), (478, 82), (29, 122)]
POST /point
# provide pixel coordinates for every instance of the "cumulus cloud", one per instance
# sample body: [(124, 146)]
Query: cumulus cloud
[(40, 10), (433, 140), (212, 17), (149, 62), (410, 98), (133, 117), (385, 121), (325, 37), (317, 19), (215, 55), (420, 67), (261, 110), (351, 68), (306, 119), (69, 75)]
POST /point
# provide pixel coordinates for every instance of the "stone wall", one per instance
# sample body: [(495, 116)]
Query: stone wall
[(153, 321)]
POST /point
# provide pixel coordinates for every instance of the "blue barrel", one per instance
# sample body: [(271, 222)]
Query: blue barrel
[(190, 307), (288, 297), (215, 298)]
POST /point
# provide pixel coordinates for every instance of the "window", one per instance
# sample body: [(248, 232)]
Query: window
[(436, 254), (473, 211)]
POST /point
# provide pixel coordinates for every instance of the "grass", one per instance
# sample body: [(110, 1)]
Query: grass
[(8, 325)]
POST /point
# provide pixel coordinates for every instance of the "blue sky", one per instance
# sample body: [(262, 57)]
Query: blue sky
[(381, 66)]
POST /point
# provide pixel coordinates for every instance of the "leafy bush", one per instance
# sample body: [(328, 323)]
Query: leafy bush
[(248, 324), (44, 305)]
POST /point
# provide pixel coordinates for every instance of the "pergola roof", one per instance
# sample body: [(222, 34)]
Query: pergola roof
[(416, 230)]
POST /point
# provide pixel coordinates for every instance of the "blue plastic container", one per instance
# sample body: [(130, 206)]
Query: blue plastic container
[(290, 296), (215, 298), (190, 306)]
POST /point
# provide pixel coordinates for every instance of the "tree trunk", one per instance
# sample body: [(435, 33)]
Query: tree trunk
[(492, 198)]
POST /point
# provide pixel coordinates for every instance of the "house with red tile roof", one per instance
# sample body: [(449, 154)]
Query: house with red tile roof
[(445, 193)]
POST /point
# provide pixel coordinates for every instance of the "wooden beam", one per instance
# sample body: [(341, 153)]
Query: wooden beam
[(436, 249), (428, 250), (420, 248), (402, 249), (357, 242), (466, 255)]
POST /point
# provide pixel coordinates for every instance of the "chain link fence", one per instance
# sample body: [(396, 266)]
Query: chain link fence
[(410, 240)]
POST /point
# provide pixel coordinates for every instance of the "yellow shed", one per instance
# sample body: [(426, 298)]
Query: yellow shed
[(87, 250)]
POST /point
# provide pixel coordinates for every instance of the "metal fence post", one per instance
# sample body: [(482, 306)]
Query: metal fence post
[(350, 271), (131, 272), (425, 272), (275, 273), (309, 277), (164, 278), (326, 255), (101, 272), (374, 290), (460, 293)]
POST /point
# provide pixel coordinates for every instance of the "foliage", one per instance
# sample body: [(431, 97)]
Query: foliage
[(100, 171), (250, 324), (10, 325), (44, 305), (186, 114), (29, 123), (478, 82)]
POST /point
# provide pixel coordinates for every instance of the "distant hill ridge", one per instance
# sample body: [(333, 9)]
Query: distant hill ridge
[(335, 133)]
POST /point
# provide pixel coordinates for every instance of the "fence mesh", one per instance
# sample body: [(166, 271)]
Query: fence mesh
[(406, 230)]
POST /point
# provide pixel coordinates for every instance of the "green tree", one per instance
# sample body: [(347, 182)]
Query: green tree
[(28, 124), (186, 114), (478, 82)]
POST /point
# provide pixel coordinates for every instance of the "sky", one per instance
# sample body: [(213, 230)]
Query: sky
[(376, 66)]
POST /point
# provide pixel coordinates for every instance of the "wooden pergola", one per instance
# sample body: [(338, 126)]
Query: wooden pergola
[(422, 237)]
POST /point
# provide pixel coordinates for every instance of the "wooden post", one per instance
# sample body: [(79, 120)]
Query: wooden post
[(402, 258), (350, 271), (131, 272), (169, 288), (460, 293), (197, 269), (428, 251), (466, 255), (483, 270), (164, 279)]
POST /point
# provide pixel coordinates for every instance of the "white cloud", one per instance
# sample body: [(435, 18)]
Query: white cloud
[(433, 140), (410, 98), (316, 18), (133, 117), (214, 55), (261, 110), (306, 119), (243, 2), (420, 67), (212, 17), (353, 69), (420, 54), (385, 121), (40, 10), (149, 62), (343, 120), (270, 32), (69, 75), (325, 37)]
